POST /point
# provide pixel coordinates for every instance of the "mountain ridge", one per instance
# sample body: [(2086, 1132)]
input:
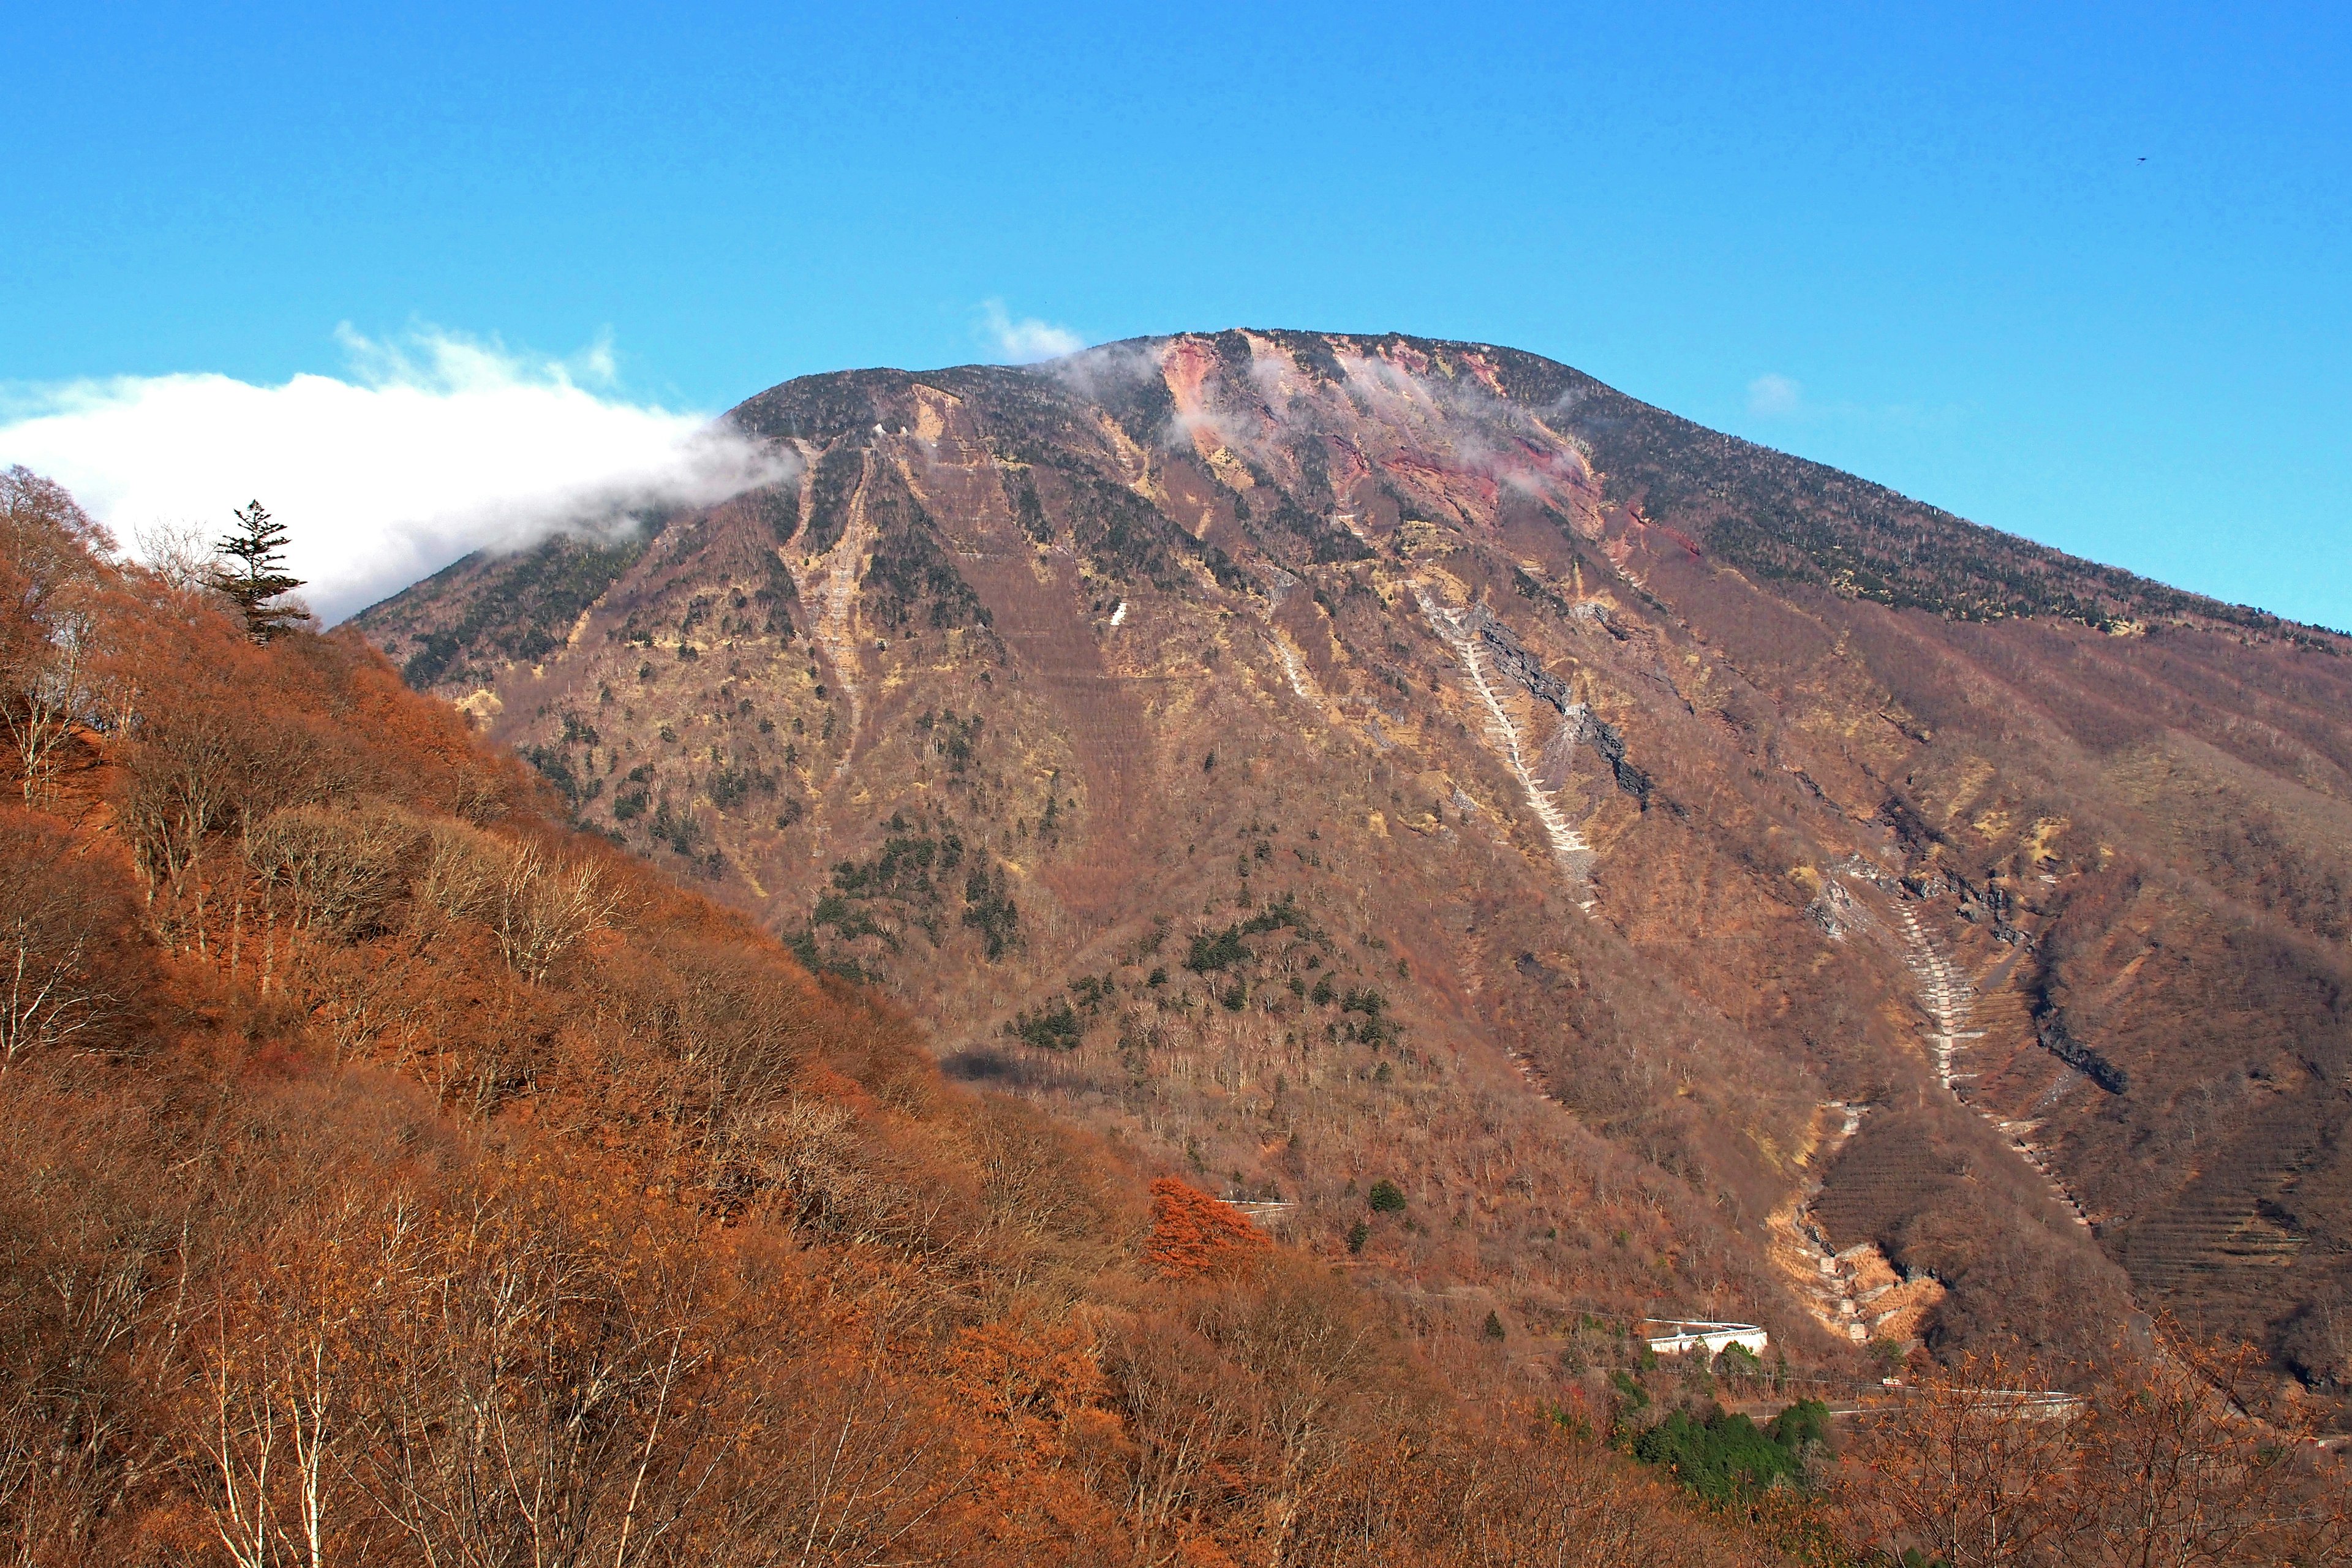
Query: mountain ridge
[(2129, 587), (1273, 747), (1532, 378)]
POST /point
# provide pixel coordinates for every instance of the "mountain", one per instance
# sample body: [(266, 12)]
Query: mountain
[(390, 1174), (1701, 883)]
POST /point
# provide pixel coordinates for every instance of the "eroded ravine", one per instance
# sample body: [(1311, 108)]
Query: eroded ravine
[(1949, 998), (1568, 845), (1279, 587), (1803, 1248), (828, 580)]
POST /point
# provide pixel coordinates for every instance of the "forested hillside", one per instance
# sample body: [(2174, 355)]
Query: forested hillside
[(1702, 882), (391, 1173)]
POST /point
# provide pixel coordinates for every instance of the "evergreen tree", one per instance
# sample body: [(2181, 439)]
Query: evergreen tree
[(256, 573)]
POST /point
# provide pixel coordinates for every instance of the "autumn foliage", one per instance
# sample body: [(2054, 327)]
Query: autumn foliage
[(1194, 1234), (2173, 1454)]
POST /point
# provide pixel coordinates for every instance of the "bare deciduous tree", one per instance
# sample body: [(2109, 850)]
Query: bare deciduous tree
[(1969, 1469), (180, 555), (545, 906), (56, 929), (50, 577), (341, 869)]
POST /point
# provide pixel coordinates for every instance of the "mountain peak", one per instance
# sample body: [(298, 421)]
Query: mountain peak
[(1313, 757)]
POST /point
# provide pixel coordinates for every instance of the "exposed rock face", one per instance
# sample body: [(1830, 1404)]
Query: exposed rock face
[(2051, 1029), (1512, 655), (1289, 751)]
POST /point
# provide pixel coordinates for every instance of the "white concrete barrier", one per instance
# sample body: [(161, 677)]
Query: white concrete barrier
[(1679, 1337)]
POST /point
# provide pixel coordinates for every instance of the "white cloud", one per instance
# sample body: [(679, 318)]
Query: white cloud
[(1028, 340), (1107, 368), (436, 446), (1775, 397)]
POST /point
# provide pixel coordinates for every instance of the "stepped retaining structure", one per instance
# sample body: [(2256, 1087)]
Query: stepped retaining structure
[(1950, 1000), (2223, 1239), (1856, 1294), (1944, 991), (1456, 629)]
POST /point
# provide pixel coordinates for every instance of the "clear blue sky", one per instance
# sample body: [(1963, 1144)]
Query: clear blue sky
[(1916, 243)]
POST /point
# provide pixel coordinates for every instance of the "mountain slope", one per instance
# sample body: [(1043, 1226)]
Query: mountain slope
[(1322, 759), (389, 1174)]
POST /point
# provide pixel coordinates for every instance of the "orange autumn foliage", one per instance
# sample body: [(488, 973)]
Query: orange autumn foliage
[(1194, 1234)]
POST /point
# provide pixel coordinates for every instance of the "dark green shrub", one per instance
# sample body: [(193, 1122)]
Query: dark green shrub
[(1725, 1458), (1054, 1029), (989, 910), (1219, 950), (1717, 1458), (1802, 1425)]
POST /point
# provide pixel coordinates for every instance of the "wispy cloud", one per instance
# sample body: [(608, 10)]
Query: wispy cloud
[(1097, 372), (1028, 340), (432, 446), (1775, 397)]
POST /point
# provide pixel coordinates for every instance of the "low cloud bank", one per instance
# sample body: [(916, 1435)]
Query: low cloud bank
[(436, 446)]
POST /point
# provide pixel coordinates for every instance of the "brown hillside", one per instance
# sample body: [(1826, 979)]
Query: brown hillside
[(1317, 759), (390, 1173)]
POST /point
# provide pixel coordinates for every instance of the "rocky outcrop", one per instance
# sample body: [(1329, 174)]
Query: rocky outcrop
[(2050, 1028)]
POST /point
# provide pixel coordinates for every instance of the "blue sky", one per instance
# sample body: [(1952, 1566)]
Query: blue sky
[(1916, 243)]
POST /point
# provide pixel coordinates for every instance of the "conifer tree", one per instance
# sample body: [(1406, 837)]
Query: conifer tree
[(256, 573)]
